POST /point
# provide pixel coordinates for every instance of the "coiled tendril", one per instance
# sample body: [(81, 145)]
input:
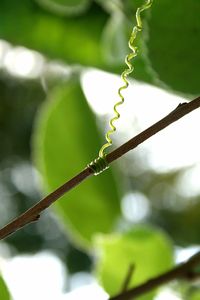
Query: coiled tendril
[(100, 164), (138, 27)]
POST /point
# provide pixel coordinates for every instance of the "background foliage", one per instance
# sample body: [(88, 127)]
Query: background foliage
[(51, 127)]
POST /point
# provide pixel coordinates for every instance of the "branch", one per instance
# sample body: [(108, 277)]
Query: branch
[(34, 212), (182, 271)]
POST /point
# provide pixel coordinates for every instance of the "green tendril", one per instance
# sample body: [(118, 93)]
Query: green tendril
[(98, 165), (138, 27)]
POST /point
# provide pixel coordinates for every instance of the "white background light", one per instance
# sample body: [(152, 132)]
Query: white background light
[(39, 276), (22, 62)]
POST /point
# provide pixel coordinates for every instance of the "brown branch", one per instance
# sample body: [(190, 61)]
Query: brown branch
[(182, 271), (34, 212)]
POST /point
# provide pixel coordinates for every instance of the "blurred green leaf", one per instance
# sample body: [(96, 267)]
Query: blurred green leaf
[(66, 139), (173, 43), (74, 40), (65, 7), (195, 296), (4, 293), (149, 250)]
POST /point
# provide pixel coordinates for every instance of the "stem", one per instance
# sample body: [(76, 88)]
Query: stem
[(182, 271), (34, 212)]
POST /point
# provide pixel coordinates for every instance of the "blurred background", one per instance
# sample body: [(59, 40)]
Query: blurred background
[(60, 62)]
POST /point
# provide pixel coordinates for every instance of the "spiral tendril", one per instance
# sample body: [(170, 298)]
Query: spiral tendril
[(98, 165), (138, 27)]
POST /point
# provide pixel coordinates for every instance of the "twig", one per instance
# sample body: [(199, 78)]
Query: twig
[(34, 212), (182, 271)]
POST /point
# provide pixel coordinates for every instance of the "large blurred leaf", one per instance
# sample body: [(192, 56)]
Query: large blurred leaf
[(75, 40), (174, 43), (148, 250), (65, 7), (4, 293), (195, 295), (66, 139)]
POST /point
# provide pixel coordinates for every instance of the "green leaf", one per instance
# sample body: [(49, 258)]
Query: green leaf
[(173, 43), (4, 293), (66, 140), (73, 40), (65, 7), (195, 295), (149, 250)]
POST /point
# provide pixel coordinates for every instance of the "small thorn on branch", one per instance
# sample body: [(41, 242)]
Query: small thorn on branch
[(186, 271), (128, 277), (35, 218)]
